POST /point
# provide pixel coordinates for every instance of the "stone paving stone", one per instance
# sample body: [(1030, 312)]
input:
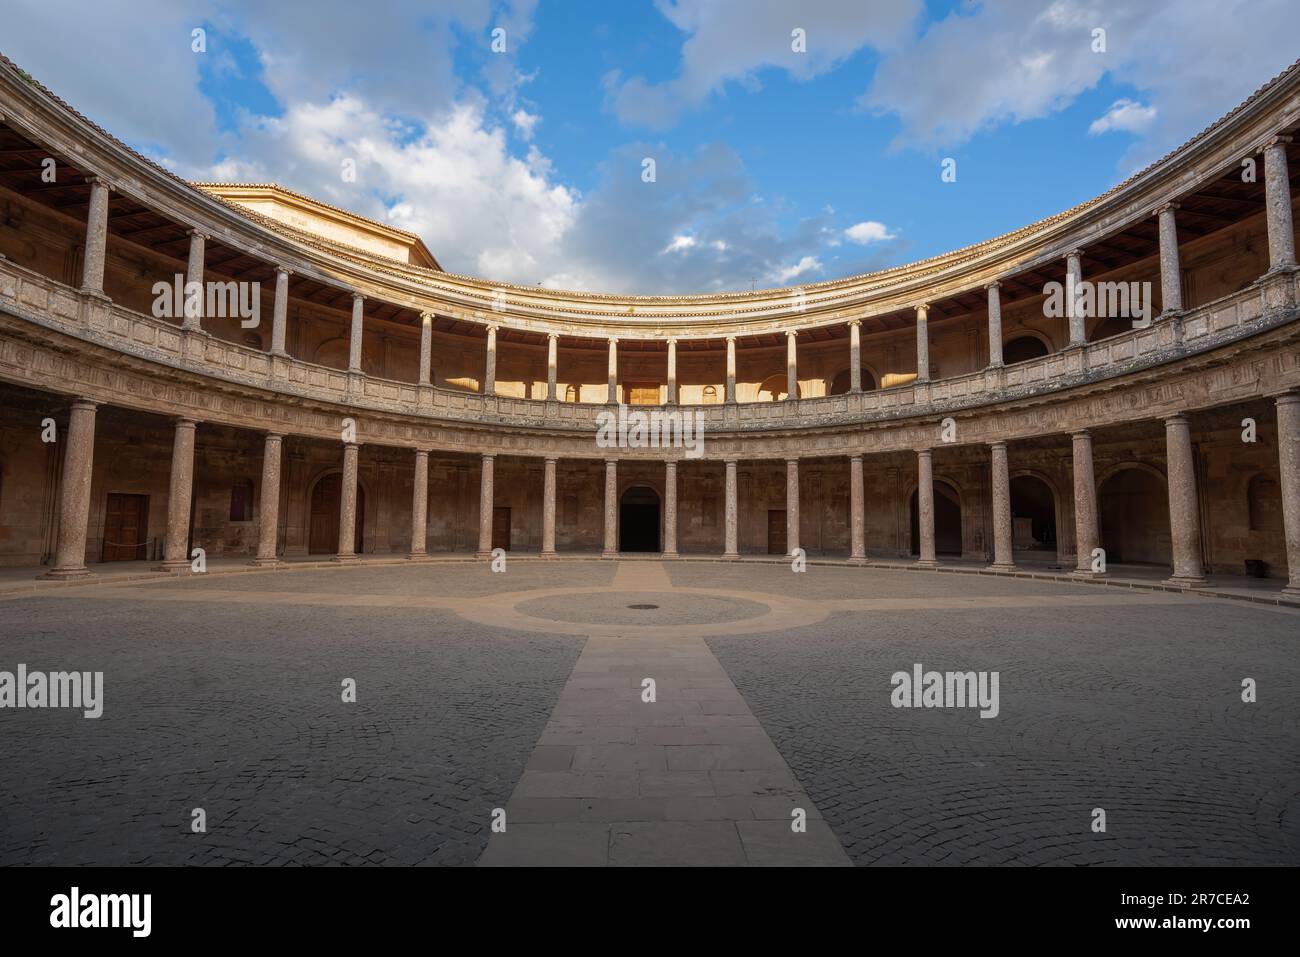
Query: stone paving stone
[(659, 795), (237, 709)]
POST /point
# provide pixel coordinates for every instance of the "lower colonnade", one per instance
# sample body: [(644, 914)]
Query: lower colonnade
[(845, 512)]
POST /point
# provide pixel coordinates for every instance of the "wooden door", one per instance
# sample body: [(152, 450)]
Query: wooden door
[(126, 526), (776, 531), (326, 499), (501, 527)]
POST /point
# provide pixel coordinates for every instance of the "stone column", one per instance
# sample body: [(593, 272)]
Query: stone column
[(671, 398), (354, 336), (194, 293), (1277, 199), (1288, 452), (1085, 503), (268, 506), (791, 366), (611, 509), (731, 522), (180, 491), (92, 268), (729, 394), (426, 348), (1171, 284), (348, 505), (923, 343), (855, 355), (74, 493), (995, 324), (1073, 278), (791, 505), (280, 315), (486, 499), (1003, 557), (925, 508), (548, 508), (857, 513), (420, 506), (1184, 507), (490, 363), (552, 365), (612, 396), (670, 509)]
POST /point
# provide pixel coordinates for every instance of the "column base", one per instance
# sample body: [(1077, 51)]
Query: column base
[(926, 563), (858, 560), (1291, 593), (66, 574), (670, 555), (609, 554), (1003, 567), (550, 554), (417, 557), (1183, 581), (731, 556), (179, 567), (344, 559), (279, 354), (1087, 574), (266, 562), (482, 554)]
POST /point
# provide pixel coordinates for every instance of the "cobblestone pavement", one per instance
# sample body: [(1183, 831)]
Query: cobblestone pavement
[(475, 690), (237, 709), (1137, 712)]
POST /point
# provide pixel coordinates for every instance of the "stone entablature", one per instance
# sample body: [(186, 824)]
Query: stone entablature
[(56, 339), (1243, 133)]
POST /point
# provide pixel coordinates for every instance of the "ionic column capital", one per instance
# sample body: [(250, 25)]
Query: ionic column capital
[(994, 285), (284, 270), (1279, 139), (854, 322), (357, 297), (1167, 207), (195, 231), (100, 181)]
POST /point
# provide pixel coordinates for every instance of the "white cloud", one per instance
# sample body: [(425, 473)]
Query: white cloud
[(680, 244), (868, 232), (733, 40), (1126, 115), (805, 265), (1014, 60), (525, 122)]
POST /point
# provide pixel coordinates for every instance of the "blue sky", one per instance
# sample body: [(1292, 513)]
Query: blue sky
[(773, 166)]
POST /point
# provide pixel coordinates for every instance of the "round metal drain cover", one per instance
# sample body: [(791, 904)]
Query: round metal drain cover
[(642, 607)]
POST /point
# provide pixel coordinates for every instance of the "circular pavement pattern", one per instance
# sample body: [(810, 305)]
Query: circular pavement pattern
[(629, 608)]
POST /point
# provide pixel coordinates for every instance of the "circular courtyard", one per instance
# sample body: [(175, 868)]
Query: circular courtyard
[(646, 712)]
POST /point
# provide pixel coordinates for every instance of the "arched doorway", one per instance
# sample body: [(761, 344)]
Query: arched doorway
[(326, 497), (638, 520), (1135, 517), (1022, 349), (1033, 515), (773, 388), (947, 520), (842, 382)]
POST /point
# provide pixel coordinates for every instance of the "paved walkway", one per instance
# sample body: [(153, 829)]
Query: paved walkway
[(690, 778)]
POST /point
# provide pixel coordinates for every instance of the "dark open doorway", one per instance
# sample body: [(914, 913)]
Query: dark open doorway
[(638, 520), (947, 520)]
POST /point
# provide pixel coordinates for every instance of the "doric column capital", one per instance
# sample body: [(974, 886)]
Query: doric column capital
[(925, 452), (1081, 434), (351, 445), (550, 459), (487, 456), (998, 444), (272, 435), (610, 463), (856, 457), (1175, 418), (81, 403), (185, 422)]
